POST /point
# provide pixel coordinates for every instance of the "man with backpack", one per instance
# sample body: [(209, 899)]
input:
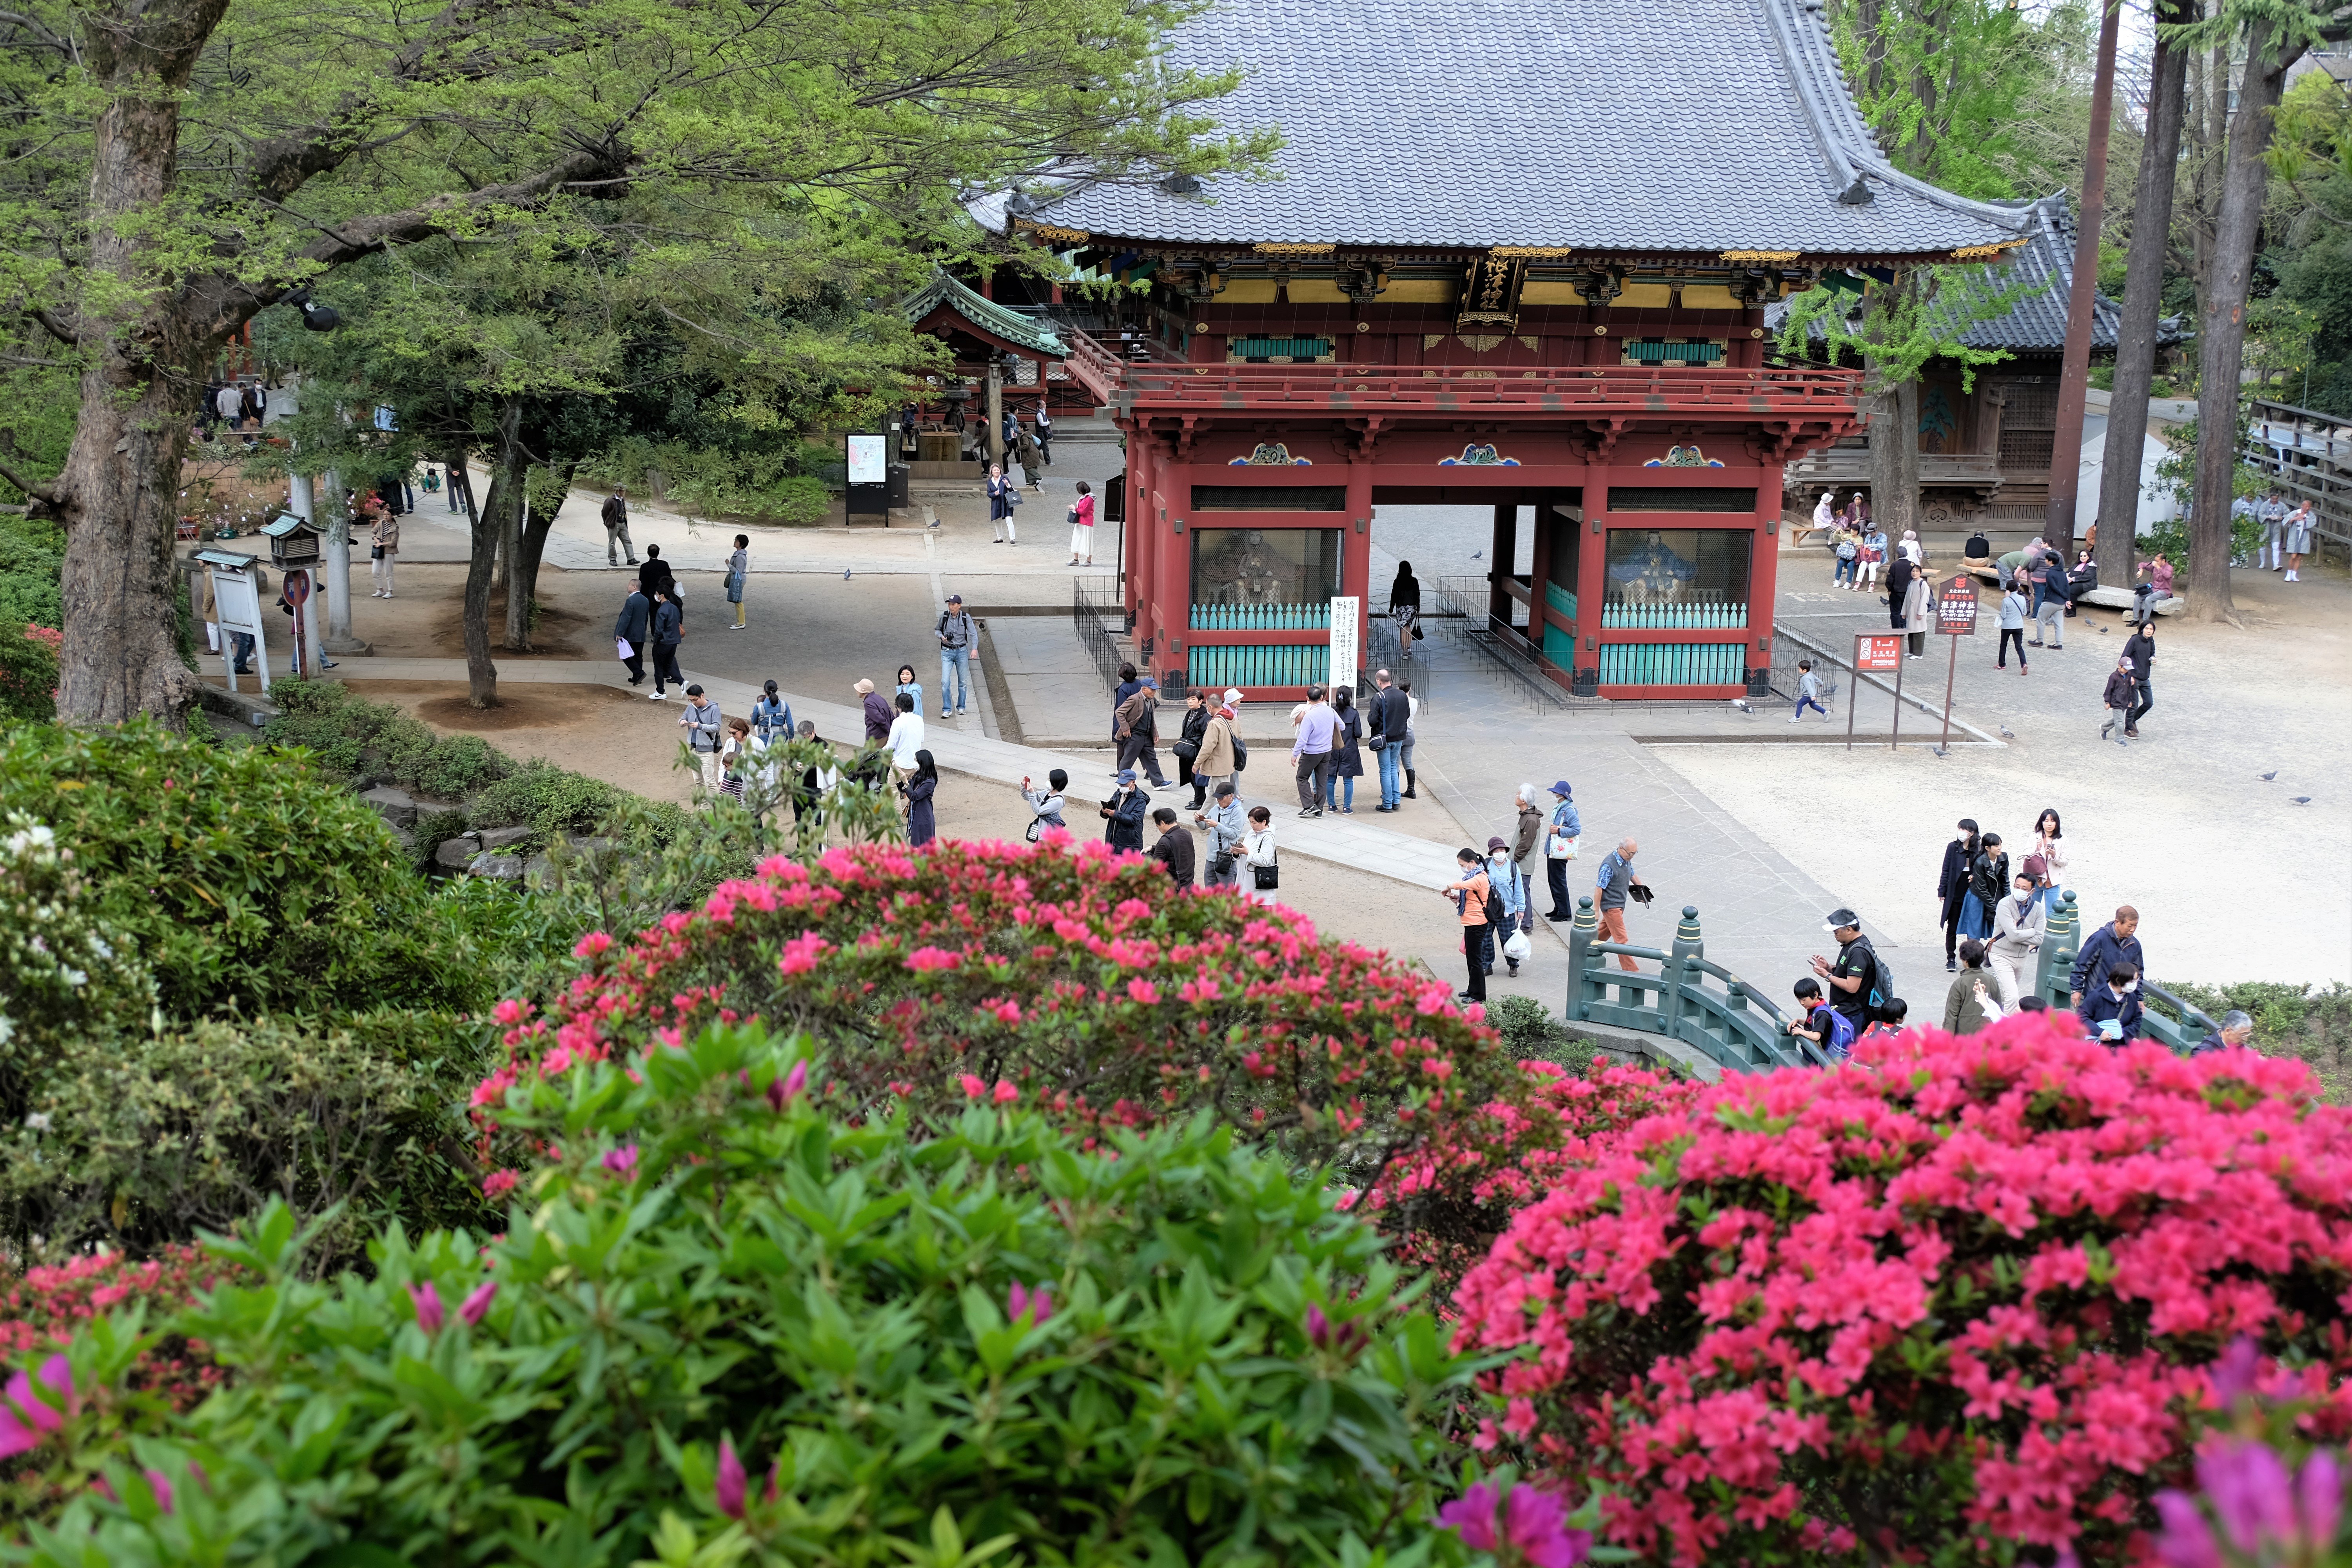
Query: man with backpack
[(1861, 987), (957, 638)]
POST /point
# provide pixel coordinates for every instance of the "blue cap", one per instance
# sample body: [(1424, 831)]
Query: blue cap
[(1126, 775), (1562, 789)]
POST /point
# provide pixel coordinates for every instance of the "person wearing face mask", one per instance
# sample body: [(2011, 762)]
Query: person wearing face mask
[(2019, 924), (1952, 888), (2113, 944)]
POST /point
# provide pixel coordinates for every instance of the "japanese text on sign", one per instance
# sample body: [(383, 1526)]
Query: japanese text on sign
[(1956, 608), (1877, 652)]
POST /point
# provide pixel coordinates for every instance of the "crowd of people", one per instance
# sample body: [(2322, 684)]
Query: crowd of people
[(2287, 532)]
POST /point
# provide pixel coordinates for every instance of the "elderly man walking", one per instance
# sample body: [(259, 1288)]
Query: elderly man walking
[(1616, 876), (1318, 730), (615, 512)]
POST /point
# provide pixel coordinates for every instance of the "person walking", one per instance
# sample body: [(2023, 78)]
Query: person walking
[(1616, 879), (1002, 497), (383, 551), (1188, 747), (1226, 828), (1045, 806), (877, 710), (1136, 728), (1346, 752), (905, 737), (1503, 880), (705, 728), (1809, 693), (1044, 423), (2054, 591), (1560, 835), (771, 717), (738, 572), (1310, 751), (655, 572), (1470, 890), (2013, 615), (1258, 856), (2121, 690), (817, 781), (1952, 888), (907, 686), (1988, 882), (669, 630), (1125, 811), (1173, 848), (736, 754), (1405, 608), (1528, 836), (631, 629), (2115, 942), (2297, 531), (1907, 601), (615, 513), (2050, 851), (1219, 762), (1387, 722), (1082, 525), (1965, 998), (1032, 463), (2231, 1033), (2140, 648), (919, 787), (1412, 715), (957, 637), (2019, 924)]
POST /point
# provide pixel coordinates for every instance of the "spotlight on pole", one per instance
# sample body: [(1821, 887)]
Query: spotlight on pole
[(316, 316)]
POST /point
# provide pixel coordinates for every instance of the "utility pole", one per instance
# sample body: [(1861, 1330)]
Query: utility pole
[(2074, 373)]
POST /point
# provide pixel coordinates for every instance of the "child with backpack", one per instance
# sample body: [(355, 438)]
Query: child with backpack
[(1828, 1028), (1475, 902)]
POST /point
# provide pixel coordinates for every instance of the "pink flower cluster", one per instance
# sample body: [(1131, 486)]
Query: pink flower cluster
[(50, 1304), (1532, 1527), (1070, 982), (1958, 1293)]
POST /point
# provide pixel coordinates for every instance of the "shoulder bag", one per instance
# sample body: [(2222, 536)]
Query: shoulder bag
[(1240, 753)]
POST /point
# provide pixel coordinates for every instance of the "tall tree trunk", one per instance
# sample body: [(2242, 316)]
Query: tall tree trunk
[(2082, 303), (2159, 161), (2222, 338), (530, 547), (1893, 435), (517, 581), (117, 494), (481, 675)]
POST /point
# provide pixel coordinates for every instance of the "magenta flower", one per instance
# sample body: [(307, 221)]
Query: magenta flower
[(729, 1488), (1472, 1515), (787, 1089), (2249, 1488), (2320, 1492), (2186, 1540), (1318, 1327), (1538, 1526), (1020, 1299), (28, 1418), (477, 1302), (162, 1489), (429, 1313), (622, 1161), (2234, 1372)]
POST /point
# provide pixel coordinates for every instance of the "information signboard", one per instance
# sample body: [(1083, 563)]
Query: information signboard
[(1344, 653), (1956, 607), (1874, 652), (868, 458)]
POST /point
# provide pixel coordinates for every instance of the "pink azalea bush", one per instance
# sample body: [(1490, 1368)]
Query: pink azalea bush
[(1960, 1297), (47, 1306), (1070, 982)]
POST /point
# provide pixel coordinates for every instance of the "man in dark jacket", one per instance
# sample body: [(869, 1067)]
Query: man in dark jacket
[(877, 710), (655, 572), (633, 626), (1989, 877), (2111, 945), (2050, 601), (1390, 715), (2114, 1000), (1173, 848), (2140, 648), (1126, 809), (616, 529), (1136, 727), (2234, 1030), (667, 624), (1952, 887)]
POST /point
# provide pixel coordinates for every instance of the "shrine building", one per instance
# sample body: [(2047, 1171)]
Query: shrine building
[(1517, 258)]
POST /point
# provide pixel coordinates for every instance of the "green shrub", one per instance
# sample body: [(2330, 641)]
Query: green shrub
[(548, 800), (28, 669), (1531, 1032), (31, 558), (1165, 1352), (2310, 1024), (246, 879), (356, 738)]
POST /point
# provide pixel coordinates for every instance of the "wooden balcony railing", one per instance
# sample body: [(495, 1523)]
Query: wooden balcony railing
[(1583, 391)]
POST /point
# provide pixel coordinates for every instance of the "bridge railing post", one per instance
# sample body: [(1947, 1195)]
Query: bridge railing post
[(1688, 945), (1580, 932), (2062, 939)]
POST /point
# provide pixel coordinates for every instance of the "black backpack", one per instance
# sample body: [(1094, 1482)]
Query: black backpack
[(1878, 991), (1494, 905)]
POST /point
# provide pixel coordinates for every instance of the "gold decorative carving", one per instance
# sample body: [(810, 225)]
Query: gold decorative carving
[(1284, 249), (1760, 255), (1481, 342), (1477, 375), (1532, 342), (1431, 340), (1049, 231), (1984, 252), (1532, 252), (1490, 294)]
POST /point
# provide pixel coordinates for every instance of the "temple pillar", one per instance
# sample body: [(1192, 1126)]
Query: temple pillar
[(1171, 567), (1500, 557), (1592, 567), (1139, 529), (1356, 551), (1764, 567)]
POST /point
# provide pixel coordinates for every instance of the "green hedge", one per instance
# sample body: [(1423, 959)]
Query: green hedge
[(357, 738), (2310, 1024), (791, 481)]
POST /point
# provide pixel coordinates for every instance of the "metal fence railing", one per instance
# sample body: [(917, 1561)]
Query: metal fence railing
[(1458, 610), (1098, 616)]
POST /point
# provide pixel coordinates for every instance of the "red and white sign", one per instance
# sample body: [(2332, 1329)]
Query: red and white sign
[(1877, 652)]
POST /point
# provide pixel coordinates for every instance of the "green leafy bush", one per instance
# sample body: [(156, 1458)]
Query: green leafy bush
[(246, 879), (726, 1326), (32, 556), (1532, 1033), (28, 669), (356, 737), (548, 800), (2311, 1024)]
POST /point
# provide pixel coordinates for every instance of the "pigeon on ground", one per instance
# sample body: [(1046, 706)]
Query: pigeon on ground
[(1477, 555), (2270, 776), (1741, 703), (2303, 800), (2006, 733), (845, 574)]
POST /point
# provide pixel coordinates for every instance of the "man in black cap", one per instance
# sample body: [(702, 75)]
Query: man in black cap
[(1850, 978), (956, 638)]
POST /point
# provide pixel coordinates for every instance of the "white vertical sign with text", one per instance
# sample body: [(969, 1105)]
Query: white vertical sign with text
[(1344, 647)]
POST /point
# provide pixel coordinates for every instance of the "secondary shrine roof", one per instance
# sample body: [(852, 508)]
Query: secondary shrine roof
[(1711, 126), (988, 318)]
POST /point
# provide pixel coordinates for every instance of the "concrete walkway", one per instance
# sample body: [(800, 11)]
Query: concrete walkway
[(1341, 840)]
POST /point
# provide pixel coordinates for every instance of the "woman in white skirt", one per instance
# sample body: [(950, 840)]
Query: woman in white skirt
[(1082, 526), (1257, 853)]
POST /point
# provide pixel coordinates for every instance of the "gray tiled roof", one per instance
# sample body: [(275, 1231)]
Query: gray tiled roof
[(2036, 323), (1720, 125)]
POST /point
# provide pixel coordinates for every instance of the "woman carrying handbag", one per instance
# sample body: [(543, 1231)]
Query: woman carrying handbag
[(1258, 856)]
